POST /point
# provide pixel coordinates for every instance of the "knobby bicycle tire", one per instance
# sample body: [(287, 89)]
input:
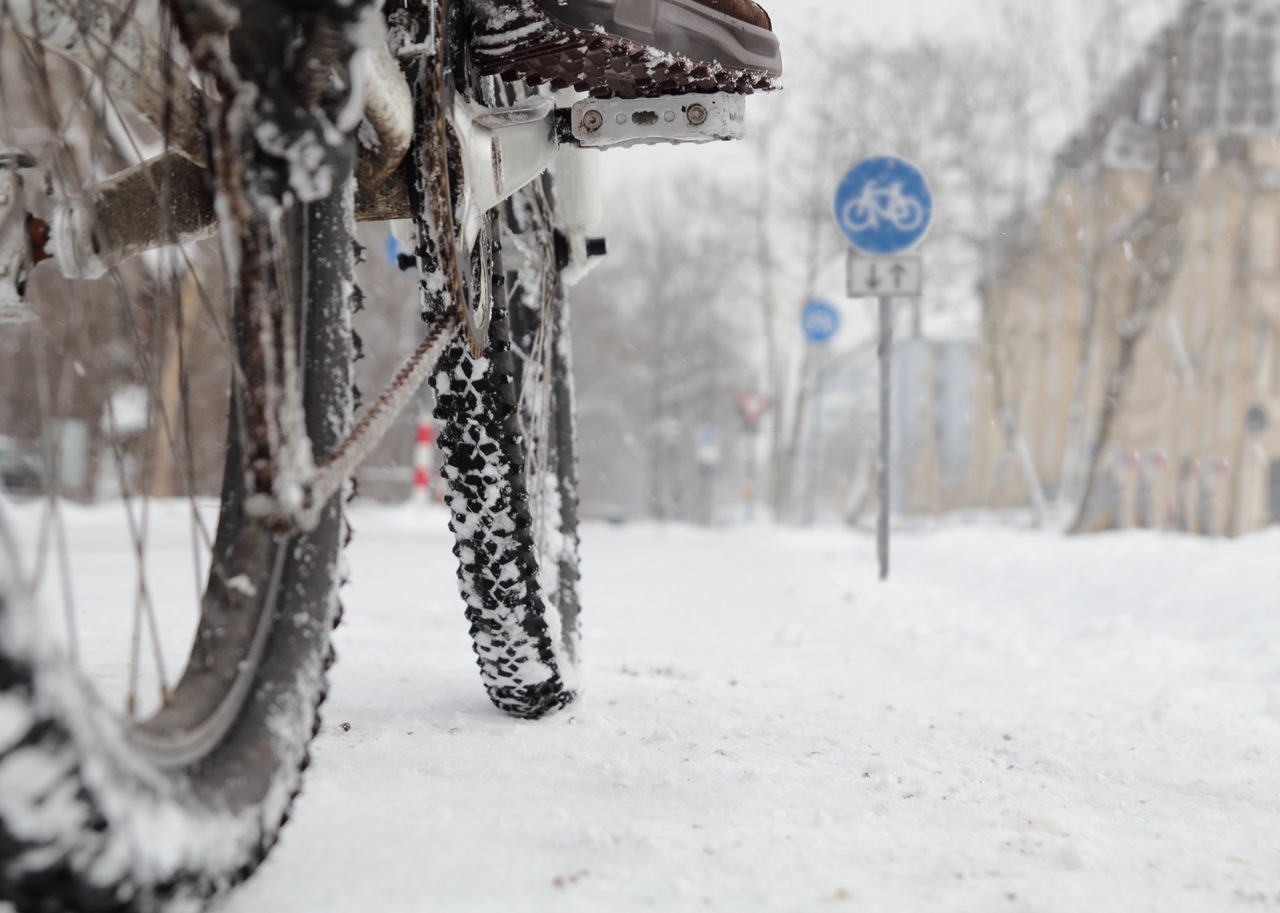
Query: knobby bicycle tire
[(92, 814), (507, 443), (103, 813), (505, 417)]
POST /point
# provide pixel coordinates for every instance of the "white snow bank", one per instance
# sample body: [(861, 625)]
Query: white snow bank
[(1016, 722)]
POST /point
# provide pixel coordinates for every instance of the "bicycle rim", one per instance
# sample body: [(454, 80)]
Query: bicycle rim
[(541, 336)]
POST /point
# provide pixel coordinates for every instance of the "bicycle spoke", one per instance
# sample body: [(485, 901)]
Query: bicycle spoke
[(64, 575), (155, 332), (146, 356), (52, 529), (169, 387)]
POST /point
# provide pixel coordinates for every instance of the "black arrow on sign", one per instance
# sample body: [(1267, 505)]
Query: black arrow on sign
[(898, 271), (873, 281)]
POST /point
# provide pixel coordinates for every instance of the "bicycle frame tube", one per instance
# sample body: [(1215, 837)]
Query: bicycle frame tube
[(162, 201)]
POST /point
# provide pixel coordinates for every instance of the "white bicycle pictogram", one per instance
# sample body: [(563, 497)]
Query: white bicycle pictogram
[(879, 204)]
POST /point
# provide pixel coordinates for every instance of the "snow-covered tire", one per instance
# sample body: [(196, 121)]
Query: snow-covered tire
[(507, 443), (91, 820), (100, 813)]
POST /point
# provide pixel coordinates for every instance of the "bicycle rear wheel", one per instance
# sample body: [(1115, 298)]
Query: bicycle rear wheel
[(181, 795)]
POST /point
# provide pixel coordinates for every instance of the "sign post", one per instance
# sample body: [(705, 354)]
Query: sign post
[(884, 208), (883, 464), (423, 445), (821, 324)]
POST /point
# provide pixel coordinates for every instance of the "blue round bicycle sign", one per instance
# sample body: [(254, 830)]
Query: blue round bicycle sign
[(821, 322), (884, 206)]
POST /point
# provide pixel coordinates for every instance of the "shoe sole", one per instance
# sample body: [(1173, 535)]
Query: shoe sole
[(703, 51)]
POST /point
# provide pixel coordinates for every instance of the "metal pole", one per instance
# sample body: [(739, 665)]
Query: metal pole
[(753, 442), (886, 365)]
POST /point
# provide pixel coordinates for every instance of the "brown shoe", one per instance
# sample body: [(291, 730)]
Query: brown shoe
[(746, 10), (629, 48)]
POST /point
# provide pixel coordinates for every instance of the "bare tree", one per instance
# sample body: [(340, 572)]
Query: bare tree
[(971, 118), (1110, 43), (659, 349), (1154, 245)]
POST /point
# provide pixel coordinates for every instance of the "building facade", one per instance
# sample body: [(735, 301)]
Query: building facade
[(1180, 341)]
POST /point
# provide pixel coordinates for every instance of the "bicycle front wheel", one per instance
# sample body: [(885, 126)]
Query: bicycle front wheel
[(503, 391), (121, 787), (507, 440)]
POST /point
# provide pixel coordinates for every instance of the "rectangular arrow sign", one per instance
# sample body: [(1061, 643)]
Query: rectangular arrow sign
[(871, 277)]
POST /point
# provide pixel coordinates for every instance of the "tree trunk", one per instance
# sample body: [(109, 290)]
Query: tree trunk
[(765, 261), (1157, 256), (1157, 243), (1091, 513)]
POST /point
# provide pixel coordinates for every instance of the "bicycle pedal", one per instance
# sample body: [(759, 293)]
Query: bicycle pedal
[(599, 123), (638, 49)]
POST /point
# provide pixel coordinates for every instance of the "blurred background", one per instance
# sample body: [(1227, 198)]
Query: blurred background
[(1059, 364), (1098, 345)]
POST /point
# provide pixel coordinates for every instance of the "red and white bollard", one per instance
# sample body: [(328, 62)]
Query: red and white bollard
[(422, 447)]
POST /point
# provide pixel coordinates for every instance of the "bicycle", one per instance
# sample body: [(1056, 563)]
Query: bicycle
[(887, 204), (308, 117)]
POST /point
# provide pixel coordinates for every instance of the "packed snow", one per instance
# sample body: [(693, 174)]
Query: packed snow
[(1016, 721)]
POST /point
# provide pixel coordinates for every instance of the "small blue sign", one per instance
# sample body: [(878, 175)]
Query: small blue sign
[(821, 322), (884, 206), (394, 249)]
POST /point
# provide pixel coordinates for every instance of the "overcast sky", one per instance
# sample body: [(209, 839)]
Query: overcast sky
[(1063, 30), (896, 22), (902, 20)]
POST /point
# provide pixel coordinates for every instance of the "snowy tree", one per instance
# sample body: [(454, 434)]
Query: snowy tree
[(660, 351)]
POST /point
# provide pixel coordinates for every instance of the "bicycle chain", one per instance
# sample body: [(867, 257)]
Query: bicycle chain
[(378, 418)]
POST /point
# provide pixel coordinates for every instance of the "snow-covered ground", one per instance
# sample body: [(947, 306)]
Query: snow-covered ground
[(1016, 722)]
